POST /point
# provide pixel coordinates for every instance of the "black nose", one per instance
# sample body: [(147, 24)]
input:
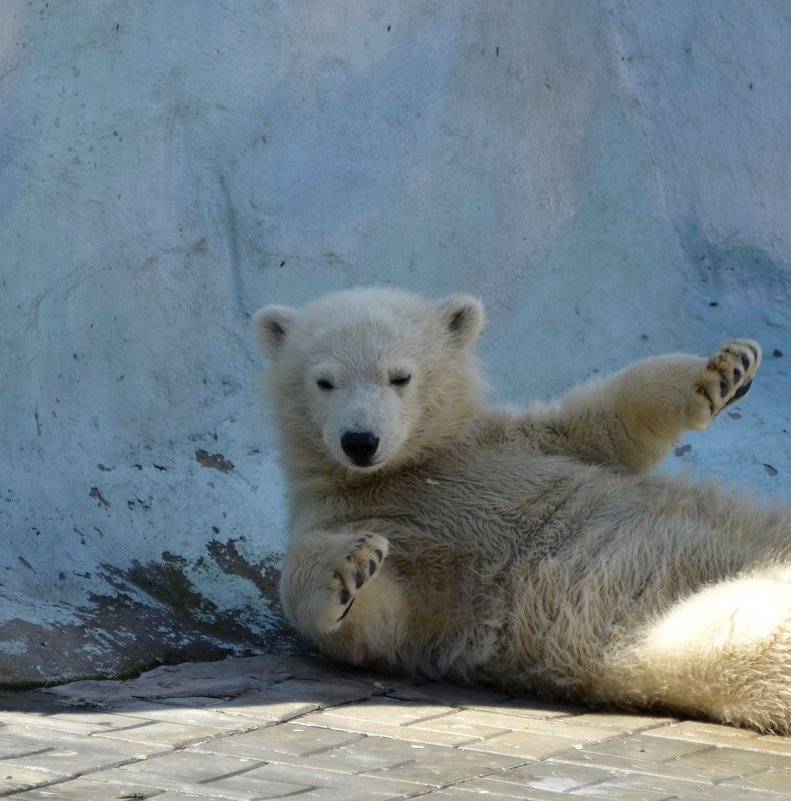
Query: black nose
[(359, 446)]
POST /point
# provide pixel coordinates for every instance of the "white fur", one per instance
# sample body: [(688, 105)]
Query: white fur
[(529, 550)]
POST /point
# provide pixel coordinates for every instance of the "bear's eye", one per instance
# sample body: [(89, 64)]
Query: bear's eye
[(400, 380), (322, 383)]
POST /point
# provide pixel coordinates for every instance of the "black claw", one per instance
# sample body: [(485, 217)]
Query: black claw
[(359, 579), (701, 391), (745, 361), (371, 567), (345, 611), (723, 389), (742, 391), (379, 554), (737, 374), (344, 597)]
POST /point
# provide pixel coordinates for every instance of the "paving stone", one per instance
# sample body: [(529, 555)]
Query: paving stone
[(31, 702), (453, 724), (448, 695), (438, 766), (335, 720), (629, 787), (526, 745), (162, 734), (658, 757), (272, 742), (644, 748), (553, 777), (175, 795), (588, 793), (590, 731), (321, 669), (635, 787), (492, 790), (625, 722), (735, 760), (87, 789), (224, 678), (345, 793), (713, 734), (770, 744), (21, 746), (470, 790), (416, 722), (194, 701), (363, 755), (15, 776), (21, 721), (499, 718), (538, 708), (251, 785), (202, 775), (140, 711), (50, 747), (774, 780), (318, 783), (264, 708), (187, 766), (71, 757), (328, 720), (214, 718), (385, 710), (91, 721), (322, 693), (708, 733)]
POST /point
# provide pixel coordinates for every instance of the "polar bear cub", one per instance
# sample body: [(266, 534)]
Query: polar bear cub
[(531, 550)]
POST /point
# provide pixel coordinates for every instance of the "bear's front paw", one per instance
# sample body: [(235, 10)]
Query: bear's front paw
[(727, 376), (360, 565)]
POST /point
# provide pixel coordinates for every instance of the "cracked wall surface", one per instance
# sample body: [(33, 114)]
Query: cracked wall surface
[(610, 177)]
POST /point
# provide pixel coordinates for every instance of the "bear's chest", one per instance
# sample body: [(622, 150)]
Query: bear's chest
[(495, 506)]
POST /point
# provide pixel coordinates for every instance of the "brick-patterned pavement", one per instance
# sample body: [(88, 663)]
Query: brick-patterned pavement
[(277, 727)]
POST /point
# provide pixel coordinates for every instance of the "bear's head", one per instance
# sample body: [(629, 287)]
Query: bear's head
[(367, 379)]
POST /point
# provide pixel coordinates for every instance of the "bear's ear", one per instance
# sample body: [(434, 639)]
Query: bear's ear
[(270, 326), (463, 318)]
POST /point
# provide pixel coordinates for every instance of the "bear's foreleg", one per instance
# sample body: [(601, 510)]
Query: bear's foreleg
[(337, 589), (324, 573), (632, 419)]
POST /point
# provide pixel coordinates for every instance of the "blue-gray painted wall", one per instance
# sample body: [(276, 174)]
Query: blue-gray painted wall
[(611, 177)]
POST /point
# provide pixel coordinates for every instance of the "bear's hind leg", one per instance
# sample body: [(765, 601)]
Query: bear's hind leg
[(724, 653)]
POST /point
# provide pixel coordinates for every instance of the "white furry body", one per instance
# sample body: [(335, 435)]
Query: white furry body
[(529, 550)]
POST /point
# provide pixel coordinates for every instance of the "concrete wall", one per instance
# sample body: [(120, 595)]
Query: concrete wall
[(600, 173)]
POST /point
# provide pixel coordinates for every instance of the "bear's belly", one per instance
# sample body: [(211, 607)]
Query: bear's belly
[(538, 570)]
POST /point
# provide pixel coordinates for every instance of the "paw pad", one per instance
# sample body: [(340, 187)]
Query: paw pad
[(359, 567), (729, 374)]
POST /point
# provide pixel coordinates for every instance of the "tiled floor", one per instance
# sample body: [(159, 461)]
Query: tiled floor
[(275, 727)]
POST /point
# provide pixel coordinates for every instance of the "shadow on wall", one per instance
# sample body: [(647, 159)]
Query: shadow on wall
[(743, 282)]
